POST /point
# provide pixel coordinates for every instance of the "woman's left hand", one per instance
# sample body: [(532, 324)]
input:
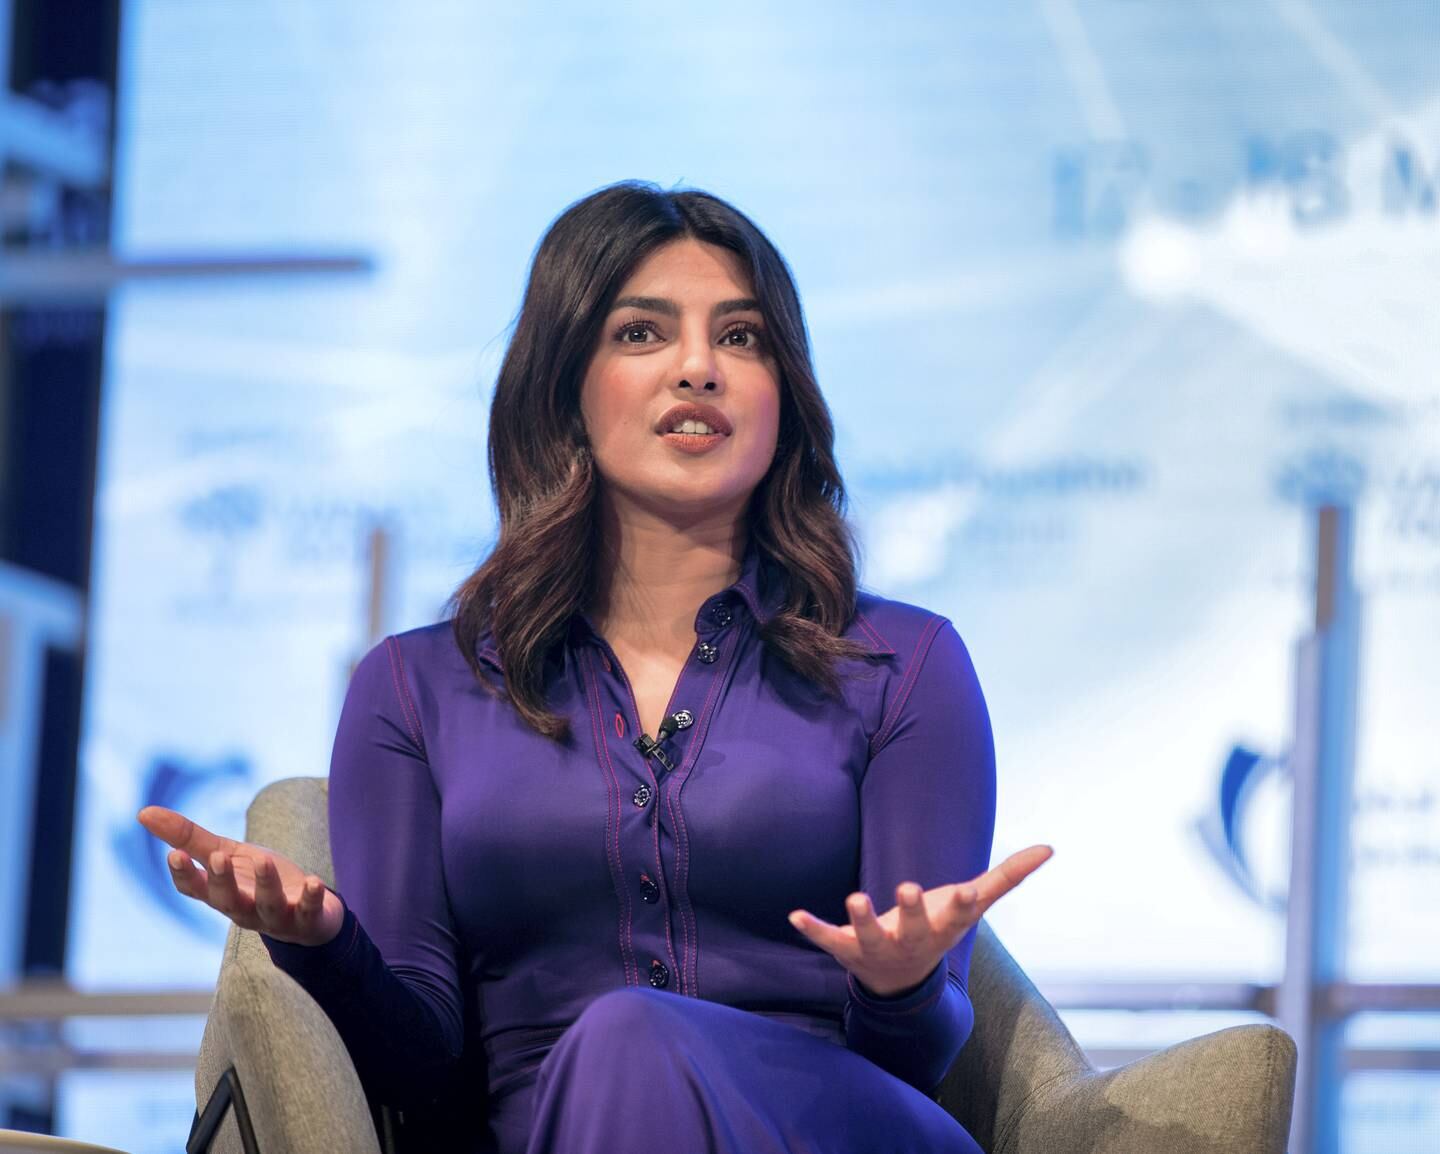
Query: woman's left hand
[(895, 952)]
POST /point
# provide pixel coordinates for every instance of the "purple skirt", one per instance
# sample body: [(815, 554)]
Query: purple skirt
[(649, 1070)]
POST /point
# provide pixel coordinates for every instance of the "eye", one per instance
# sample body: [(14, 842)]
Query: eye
[(754, 333), (632, 325)]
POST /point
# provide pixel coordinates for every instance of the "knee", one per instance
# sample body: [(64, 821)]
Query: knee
[(630, 1010), (617, 1029)]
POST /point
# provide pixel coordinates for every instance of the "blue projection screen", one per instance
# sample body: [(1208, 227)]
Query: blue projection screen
[(1103, 296)]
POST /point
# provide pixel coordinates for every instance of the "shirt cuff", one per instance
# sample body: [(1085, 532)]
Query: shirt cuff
[(310, 962), (913, 1001)]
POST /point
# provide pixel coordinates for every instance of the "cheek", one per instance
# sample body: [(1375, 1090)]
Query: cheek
[(602, 404), (770, 416)]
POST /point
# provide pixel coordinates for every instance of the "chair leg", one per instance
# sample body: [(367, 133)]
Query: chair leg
[(387, 1125), (227, 1092)]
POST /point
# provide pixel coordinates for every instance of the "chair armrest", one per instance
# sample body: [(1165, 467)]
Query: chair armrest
[(1223, 1092), (299, 1083)]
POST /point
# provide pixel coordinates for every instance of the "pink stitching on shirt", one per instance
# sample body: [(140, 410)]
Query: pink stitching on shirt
[(402, 691), (660, 870), (687, 912), (912, 673), (612, 850), (752, 597), (873, 633)]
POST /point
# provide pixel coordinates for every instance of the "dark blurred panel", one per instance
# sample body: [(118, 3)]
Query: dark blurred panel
[(60, 40), (63, 56), (53, 360), (47, 916)]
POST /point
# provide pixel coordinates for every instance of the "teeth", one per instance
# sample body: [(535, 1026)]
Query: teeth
[(692, 427)]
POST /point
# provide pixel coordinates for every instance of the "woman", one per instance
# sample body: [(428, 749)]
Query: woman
[(571, 821)]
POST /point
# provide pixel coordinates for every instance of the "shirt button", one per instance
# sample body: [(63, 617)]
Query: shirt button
[(683, 718), (659, 974), (641, 796), (720, 614), (707, 652), (649, 891)]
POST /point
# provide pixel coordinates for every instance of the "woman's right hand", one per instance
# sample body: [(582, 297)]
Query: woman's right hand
[(256, 888)]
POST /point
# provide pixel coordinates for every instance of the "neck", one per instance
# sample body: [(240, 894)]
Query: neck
[(654, 577)]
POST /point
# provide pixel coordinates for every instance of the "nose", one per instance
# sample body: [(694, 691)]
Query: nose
[(698, 364)]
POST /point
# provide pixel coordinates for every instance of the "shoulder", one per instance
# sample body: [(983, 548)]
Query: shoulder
[(414, 662), (896, 628), (401, 679), (427, 646), (929, 665)]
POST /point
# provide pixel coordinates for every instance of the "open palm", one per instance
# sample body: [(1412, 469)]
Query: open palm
[(894, 952), (256, 888)]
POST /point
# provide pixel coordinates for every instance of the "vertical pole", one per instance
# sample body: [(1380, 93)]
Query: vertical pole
[(377, 595), (36, 614), (6, 20), (10, 765), (1322, 762), (379, 557)]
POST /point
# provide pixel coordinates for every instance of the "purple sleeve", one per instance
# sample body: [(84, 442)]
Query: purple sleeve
[(389, 980), (927, 815)]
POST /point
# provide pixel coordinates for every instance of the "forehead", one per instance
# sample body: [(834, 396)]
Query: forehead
[(688, 268)]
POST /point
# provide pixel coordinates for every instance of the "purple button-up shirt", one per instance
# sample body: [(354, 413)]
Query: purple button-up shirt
[(496, 882)]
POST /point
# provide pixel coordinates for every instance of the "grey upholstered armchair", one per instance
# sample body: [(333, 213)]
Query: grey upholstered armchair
[(1021, 1085)]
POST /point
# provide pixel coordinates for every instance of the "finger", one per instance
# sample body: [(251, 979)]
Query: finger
[(960, 912), (187, 877), (312, 900), (835, 940), (224, 894), (271, 907), (869, 933), (995, 883), (914, 927), (179, 831)]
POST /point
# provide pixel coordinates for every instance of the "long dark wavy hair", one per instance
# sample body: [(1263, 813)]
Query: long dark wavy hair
[(544, 477)]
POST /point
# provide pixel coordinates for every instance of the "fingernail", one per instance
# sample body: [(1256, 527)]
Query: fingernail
[(797, 919)]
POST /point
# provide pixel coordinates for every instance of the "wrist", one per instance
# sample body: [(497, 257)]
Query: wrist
[(332, 917), (903, 998), (318, 959), (885, 993)]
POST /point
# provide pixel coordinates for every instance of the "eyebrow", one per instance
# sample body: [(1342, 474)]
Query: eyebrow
[(667, 306)]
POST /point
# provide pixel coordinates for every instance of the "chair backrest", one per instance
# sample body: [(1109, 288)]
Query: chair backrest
[(1018, 1045), (265, 1037), (1022, 1083), (293, 817)]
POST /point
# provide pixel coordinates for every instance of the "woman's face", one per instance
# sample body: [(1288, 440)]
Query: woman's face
[(684, 328)]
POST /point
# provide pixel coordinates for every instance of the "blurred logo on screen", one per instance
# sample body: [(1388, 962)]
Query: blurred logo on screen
[(215, 796), (1247, 833)]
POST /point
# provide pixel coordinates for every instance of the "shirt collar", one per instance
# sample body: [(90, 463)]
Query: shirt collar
[(760, 588)]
